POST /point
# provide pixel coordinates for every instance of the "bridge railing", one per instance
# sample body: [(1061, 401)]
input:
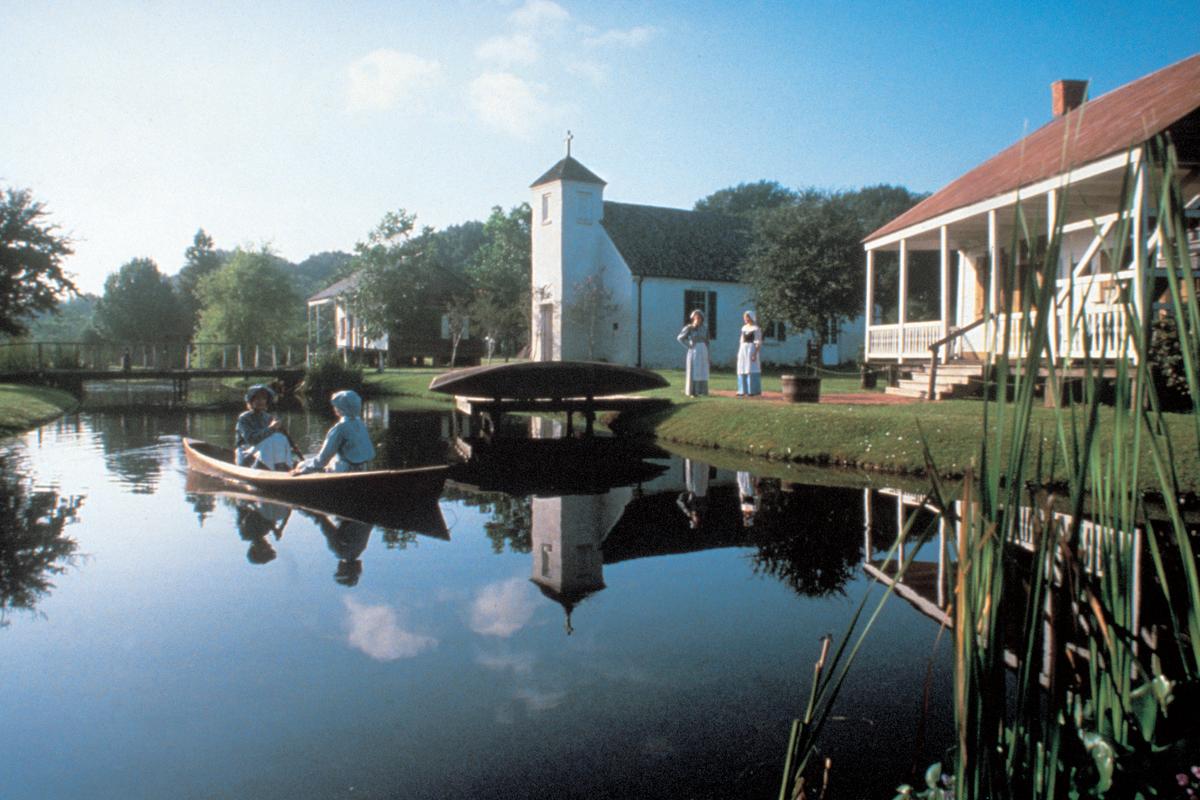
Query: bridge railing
[(141, 356)]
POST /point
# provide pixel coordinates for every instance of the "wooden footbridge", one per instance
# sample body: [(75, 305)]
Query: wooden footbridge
[(70, 364)]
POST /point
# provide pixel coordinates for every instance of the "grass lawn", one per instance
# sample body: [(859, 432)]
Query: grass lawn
[(24, 407), (873, 437)]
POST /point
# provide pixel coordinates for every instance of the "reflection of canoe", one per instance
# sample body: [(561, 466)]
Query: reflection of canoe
[(546, 379), (417, 513), (382, 484)]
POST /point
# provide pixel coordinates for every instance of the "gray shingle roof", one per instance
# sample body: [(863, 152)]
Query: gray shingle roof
[(673, 243), (568, 170), (334, 289)]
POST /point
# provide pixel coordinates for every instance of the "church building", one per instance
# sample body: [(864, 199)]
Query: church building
[(616, 281)]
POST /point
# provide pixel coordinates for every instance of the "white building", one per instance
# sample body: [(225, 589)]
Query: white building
[(616, 281), (328, 307), (1084, 173)]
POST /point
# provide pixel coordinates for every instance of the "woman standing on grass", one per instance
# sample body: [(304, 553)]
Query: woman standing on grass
[(694, 337), (749, 363)]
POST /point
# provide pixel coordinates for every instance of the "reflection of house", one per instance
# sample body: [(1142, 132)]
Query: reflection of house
[(1076, 170), (327, 310), (650, 266), (928, 581)]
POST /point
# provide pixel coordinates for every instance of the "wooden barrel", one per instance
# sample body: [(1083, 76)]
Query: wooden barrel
[(800, 388)]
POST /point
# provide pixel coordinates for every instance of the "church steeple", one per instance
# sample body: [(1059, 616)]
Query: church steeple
[(568, 169)]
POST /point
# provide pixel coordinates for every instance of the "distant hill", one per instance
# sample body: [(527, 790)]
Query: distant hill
[(72, 323), (317, 271)]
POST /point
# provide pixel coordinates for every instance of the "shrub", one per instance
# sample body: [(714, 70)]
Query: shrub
[(328, 375), (1166, 365)]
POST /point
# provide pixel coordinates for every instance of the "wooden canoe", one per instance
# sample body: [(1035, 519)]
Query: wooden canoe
[(373, 485), (533, 380)]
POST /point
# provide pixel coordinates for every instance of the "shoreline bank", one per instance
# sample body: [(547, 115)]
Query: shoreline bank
[(879, 439), (25, 407)]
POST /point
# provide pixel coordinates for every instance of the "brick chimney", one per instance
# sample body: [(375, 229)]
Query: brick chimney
[(1067, 96)]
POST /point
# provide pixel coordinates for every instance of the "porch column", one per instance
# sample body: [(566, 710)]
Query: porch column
[(869, 314), (903, 297), (944, 282), (1051, 225), (1138, 253), (993, 279)]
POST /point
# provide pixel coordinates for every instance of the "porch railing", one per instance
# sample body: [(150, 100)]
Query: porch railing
[(911, 340)]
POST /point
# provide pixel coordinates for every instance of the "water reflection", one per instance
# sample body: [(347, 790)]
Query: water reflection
[(347, 539), (693, 500), (257, 521), (33, 545)]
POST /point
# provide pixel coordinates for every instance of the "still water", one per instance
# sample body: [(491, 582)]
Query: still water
[(650, 634)]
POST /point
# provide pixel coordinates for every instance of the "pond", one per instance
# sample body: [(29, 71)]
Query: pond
[(645, 630)]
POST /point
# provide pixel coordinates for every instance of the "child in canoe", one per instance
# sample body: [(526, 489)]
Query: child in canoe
[(347, 445), (260, 438)]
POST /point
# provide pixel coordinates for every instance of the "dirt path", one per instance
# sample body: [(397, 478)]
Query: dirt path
[(844, 398)]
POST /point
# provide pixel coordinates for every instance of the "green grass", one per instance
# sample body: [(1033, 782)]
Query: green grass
[(885, 438), (868, 437), (24, 407)]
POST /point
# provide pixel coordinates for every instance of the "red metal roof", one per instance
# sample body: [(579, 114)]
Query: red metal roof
[(1112, 123)]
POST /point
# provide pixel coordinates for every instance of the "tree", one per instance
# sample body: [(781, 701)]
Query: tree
[(72, 321), (405, 280), (748, 198), (805, 264), (140, 305), (249, 301), (31, 253), (200, 260), (593, 305), (501, 272)]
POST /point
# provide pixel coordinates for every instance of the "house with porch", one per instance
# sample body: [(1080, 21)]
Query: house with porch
[(616, 281), (331, 323), (937, 276)]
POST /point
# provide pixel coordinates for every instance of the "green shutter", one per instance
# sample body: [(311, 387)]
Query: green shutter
[(712, 315)]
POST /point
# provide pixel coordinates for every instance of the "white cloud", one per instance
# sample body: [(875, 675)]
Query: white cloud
[(538, 699), (634, 37), (519, 663), (381, 79), (504, 101), (375, 631), (588, 70), (502, 608), (520, 48), (538, 14)]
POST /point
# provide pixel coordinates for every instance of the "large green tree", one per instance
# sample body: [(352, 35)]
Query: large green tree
[(748, 198), (405, 280), (806, 261), (200, 260), (249, 301), (501, 272), (32, 279), (140, 305)]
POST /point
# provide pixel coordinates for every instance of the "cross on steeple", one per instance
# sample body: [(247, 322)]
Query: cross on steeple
[(570, 136)]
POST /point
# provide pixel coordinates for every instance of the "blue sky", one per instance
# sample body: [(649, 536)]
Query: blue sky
[(299, 125)]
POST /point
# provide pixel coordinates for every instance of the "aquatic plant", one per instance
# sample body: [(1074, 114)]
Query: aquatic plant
[(1097, 700)]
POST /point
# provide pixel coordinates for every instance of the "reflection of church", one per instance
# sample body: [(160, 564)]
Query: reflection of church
[(573, 536), (567, 537)]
